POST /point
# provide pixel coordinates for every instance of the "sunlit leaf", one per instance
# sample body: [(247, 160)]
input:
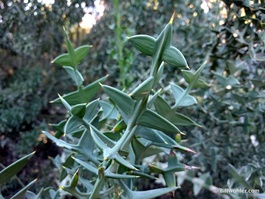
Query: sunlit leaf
[(144, 43), (81, 52)]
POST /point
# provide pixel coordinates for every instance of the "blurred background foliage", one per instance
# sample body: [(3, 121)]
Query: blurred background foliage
[(229, 34)]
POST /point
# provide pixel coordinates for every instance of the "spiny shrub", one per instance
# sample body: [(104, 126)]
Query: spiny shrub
[(106, 141)]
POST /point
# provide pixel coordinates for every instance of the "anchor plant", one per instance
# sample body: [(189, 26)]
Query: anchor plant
[(106, 141)]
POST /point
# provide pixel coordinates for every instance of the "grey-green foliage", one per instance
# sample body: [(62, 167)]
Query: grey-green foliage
[(232, 109), (19, 101), (106, 141)]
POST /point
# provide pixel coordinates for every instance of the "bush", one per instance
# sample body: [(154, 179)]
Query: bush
[(106, 142)]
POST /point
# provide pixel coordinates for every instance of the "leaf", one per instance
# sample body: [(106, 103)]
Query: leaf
[(165, 110), (159, 73), (83, 95), (63, 60), (86, 165), (229, 81), (189, 77), (160, 139), (112, 175), (239, 179), (59, 128), (102, 137), (144, 43), (153, 120), (109, 111), (145, 194), (161, 106), (57, 141), (74, 180), (142, 151), (170, 179), (119, 127), (99, 142), (121, 99), (70, 51), (22, 192), (124, 162), (81, 52), (73, 125), (155, 136), (7, 173), (75, 75), (78, 110), (196, 188), (143, 89), (91, 111), (65, 103), (174, 57), (181, 96)]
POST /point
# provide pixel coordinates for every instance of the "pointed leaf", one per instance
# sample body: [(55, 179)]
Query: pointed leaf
[(142, 151), (170, 179), (78, 110), (58, 142), (196, 188), (124, 162), (145, 194), (109, 111), (70, 50), (7, 173), (153, 120), (75, 75), (91, 111), (83, 95), (159, 73), (144, 43), (86, 165), (143, 89), (161, 106), (121, 99), (73, 125), (74, 180), (102, 137), (22, 192), (65, 103), (189, 77), (63, 60), (165, 110), (59, 128), (236, 176), (81, 52), (174, 57), (101, 144), (181, 97)]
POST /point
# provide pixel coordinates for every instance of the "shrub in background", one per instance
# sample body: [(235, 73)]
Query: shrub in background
[(232, 109)]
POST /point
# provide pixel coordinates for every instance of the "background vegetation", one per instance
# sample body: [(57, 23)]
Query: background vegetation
[(230, 146)]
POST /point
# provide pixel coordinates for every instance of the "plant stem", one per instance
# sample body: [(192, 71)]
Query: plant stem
[(119, 43)]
